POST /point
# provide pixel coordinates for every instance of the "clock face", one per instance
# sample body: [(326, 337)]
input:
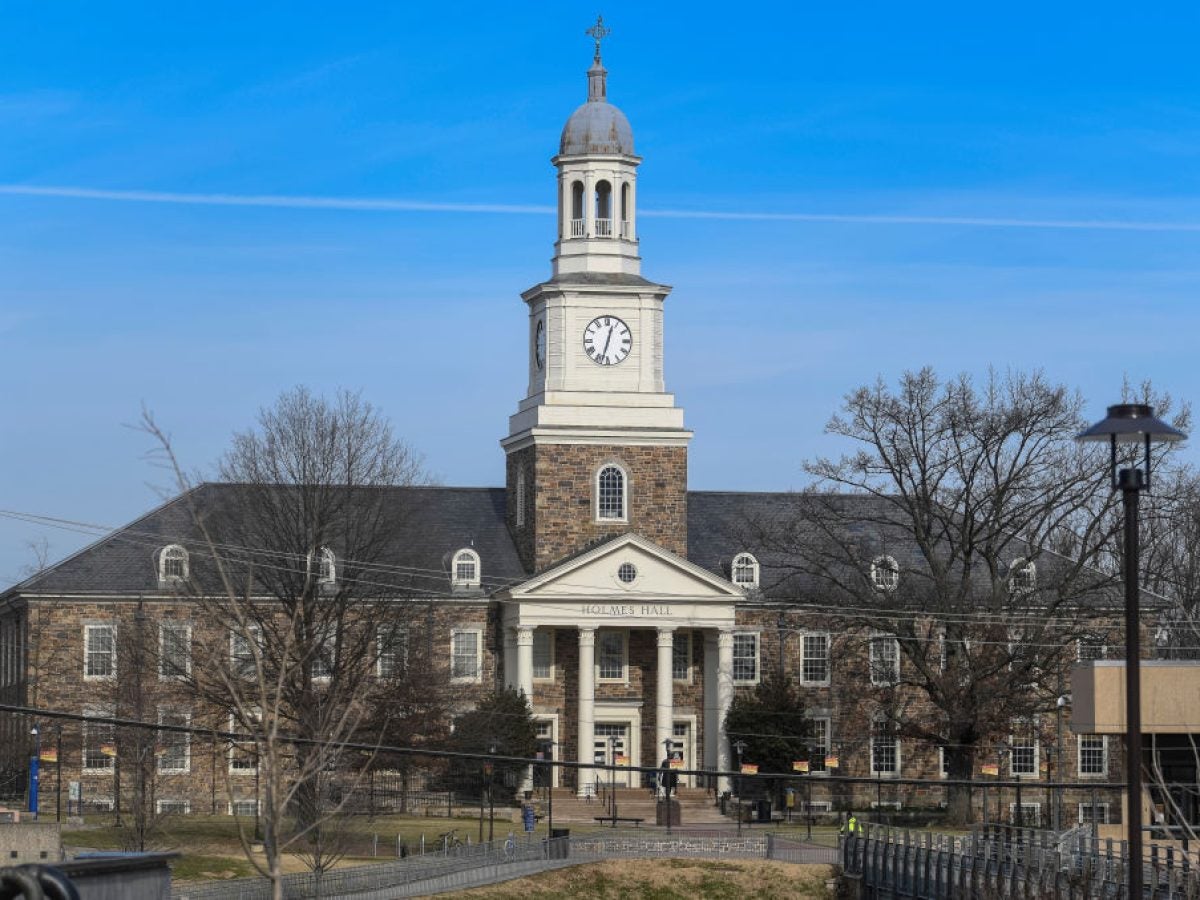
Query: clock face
[(607, 341), (539, 344)]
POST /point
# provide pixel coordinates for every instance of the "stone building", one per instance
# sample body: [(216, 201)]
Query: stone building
[(628, 608)]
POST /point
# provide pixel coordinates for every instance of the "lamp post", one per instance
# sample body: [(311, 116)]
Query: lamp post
[(491, 793), (34, 770), (668, 777), (740, 746), (1132, 423), (58, 771)]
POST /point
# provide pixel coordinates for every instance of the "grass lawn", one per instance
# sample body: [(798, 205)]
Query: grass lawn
[(670, 879)]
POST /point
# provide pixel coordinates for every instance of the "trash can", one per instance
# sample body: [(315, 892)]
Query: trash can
[(764, 810), (560, 844), (724, 802)]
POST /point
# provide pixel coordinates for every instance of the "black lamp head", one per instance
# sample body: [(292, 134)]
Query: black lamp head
[(1132, 423)]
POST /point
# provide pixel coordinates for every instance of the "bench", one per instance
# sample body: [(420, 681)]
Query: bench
[(615, 819)]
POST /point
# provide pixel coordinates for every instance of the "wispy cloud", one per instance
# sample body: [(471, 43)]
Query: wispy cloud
[(385, 204)]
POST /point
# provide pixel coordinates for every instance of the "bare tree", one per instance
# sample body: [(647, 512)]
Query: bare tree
[(300, 600), (969, 531)]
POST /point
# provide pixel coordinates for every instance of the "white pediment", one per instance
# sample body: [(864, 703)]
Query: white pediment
[(596, 575)]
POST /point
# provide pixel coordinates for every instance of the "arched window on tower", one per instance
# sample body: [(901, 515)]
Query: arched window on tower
[(603, 209), (625, 210), (610, 494), (577, 209)]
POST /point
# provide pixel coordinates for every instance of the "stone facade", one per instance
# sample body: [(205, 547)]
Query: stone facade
[(560, 491)]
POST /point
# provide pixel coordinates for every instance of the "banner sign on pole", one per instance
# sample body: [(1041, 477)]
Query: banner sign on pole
[(800, 765)]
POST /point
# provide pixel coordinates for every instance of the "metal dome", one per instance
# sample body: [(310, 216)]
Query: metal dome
[(596, 127)]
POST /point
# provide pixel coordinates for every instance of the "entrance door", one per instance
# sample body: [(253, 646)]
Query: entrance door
[(681, 748), (611, 748)]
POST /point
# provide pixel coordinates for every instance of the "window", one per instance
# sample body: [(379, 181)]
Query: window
[(174, 651), (1031, 815), (465, 569), (1023, 756), (610, 494), (241, 653), (327, 563), (172, 564), (520, 501), (392, 641), (943, 762), (99, 741), (745, 570), (243, 808), (610, 655), (464, 654), (885, 660), (885, 748), (543, 654), (1089, 814), (174, 747), (177, 807), (99, 651), (818, 744), (815, 666), (325, 652), (627, 573), (1022, 576), (885, 573), (1093, 754), (1090, 648), (243, 757), (681, 656), (745, 658)]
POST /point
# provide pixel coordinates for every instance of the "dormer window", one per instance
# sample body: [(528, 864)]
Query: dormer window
[(1022, 576), (885, 573), (172, 564), (610, 494), (326, 567), (745, 571), (464, 570)]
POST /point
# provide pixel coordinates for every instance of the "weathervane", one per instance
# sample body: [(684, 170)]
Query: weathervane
[(598, 33)]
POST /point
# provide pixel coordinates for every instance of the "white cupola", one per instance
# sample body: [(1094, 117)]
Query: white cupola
[(597, 183)]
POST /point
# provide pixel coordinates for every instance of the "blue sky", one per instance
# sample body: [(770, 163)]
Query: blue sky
[(1034, 170)]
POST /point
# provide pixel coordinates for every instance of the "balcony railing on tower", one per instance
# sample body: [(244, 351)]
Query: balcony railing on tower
[(576, 228), (604, 228)]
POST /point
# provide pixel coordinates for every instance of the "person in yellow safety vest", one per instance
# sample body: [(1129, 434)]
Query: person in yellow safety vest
[(852, 826)]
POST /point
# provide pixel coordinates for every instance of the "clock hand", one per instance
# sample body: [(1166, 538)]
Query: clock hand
[(607, 341)]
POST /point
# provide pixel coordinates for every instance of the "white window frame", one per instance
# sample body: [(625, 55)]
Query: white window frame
[(624, 517), (885, 573), (804, 679), (464, 555), (1022, 576), (942, 768), (477, 634), (1024, 729), (159, 807), (822, 748), (872, 663), (1100, 645), (601, 635), (757, 657), (163, 628), (1079, 739), (87, 651), (234, 637), (326, 567), (173, 712), (234, 804), (895, 739), (323, 663), (1102, 807), (744, 562), (85, 737), (1028, 808), (172, 552), (385, 637), (684, 634), (548, 635), (236, 747)]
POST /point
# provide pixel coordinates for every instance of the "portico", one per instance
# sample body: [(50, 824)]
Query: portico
[(679, 620)]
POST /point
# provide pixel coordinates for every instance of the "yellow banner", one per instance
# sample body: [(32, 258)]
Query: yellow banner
[(800, 765), (831, 762), (990, 770), (677, 764), (749, 768), (621, 760), (108, 749), (49, 754)]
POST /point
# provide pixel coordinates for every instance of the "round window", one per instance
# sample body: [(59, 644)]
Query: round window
[(627, 573)]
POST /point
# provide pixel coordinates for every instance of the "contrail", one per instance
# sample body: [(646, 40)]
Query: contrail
[(380, 204)]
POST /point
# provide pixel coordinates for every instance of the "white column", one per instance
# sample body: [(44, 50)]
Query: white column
[(525, 682), (724, 700), (664, 710), (587, 711), (633, 209), (589, 204)]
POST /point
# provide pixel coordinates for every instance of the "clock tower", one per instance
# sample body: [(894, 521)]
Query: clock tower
[(597, 447)]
